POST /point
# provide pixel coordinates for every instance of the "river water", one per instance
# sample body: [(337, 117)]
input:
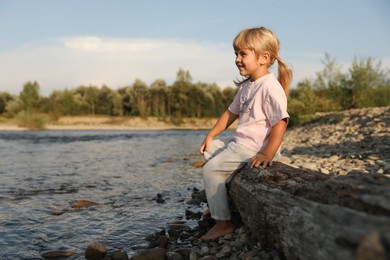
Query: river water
[(44, 173)]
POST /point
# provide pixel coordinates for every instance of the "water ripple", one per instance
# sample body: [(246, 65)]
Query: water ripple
[(43, 173)]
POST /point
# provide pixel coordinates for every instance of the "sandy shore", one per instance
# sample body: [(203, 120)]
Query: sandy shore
[(116, 123)]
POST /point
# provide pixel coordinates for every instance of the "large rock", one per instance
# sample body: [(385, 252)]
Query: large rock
[(308, 215)]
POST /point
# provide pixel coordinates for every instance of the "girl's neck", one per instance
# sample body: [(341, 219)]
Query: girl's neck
[(259, 74)]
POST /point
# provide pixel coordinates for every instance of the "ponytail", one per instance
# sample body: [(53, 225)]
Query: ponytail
[(284, 74)]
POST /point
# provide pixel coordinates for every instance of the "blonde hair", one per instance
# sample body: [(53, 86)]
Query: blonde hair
[(260, 40)]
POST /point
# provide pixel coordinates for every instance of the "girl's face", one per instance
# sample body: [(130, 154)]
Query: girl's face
[(248, 64)]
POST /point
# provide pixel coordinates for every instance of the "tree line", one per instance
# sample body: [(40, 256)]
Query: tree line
[(365, 84), (181, 99)]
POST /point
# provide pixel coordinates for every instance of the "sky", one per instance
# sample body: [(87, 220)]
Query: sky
[(63, 44)]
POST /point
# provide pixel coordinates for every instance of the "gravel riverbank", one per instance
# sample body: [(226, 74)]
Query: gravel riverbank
[(338, 143)]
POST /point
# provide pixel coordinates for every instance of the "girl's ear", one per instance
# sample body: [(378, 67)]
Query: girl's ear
[(265, 58)]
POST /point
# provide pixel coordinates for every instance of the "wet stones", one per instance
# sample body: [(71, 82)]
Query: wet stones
[(98, 251), (159, 198), (57, 254), (182, 241), (198, 164), (95, 251), (79, 204)]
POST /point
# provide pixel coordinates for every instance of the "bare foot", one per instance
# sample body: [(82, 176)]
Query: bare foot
[(207, 213), (221, 228)]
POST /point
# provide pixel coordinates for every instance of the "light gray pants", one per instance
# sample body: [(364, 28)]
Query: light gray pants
[(223, 159)]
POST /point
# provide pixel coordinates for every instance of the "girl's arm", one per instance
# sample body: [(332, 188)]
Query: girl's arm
[(224, 121), (275, 139)]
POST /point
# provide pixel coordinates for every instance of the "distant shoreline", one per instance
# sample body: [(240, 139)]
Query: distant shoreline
[(5, 128), (107, 123)]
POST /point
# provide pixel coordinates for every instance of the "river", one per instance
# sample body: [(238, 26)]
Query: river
[(44, 173)]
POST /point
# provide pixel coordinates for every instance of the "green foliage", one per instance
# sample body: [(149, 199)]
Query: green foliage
[(365, 85), (29, 96), (141, 98), (228, 95), (183, 76), (13, 107), (5, 98), (31, 120), (66, 103), (367, 80), (159, 98), (87, 96)]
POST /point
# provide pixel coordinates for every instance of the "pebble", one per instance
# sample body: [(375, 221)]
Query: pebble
[(333, 158), (310, 165), (205, 250)]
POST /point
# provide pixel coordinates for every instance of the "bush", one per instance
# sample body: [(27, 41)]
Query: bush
[(31, 120)]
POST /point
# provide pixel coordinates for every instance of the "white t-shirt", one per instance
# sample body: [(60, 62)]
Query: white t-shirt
[(260, 104)]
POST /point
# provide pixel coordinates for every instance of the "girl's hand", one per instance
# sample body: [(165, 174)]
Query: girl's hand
[(260, 159), (206, 143)]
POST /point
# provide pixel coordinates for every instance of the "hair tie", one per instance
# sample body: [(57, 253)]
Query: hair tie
[(278, 58)]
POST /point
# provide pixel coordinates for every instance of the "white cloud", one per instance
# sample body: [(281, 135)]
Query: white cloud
[(70, 62)]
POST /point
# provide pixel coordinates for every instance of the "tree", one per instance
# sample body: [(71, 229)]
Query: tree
[(13, 107), (4, 99), (200, 102), (141, 98), (330, 77), (228, 95), (329, 84), (116, 100), (105, 101), (159, 98), (127, 102), (29, 96), (89, 95), (67, 102), (179, 97), (216, 103), (365, 79), (183, 76)]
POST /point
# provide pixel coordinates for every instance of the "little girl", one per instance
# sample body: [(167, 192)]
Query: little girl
[(261, 106)]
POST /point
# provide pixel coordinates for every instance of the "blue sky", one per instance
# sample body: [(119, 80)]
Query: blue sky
[(66, 43)]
